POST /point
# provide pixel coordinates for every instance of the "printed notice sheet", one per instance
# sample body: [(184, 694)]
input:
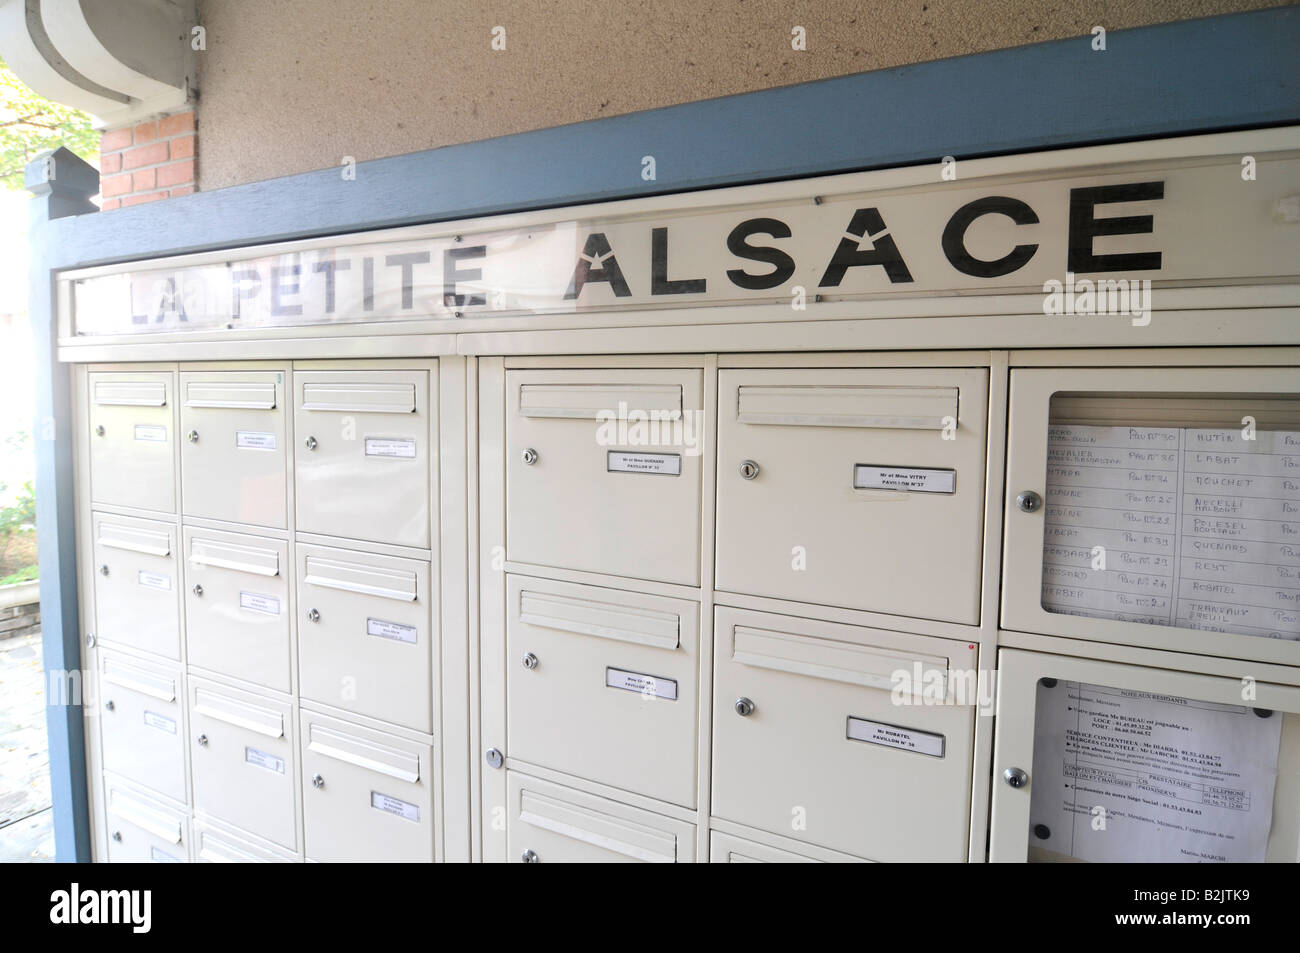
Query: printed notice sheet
[(1175, 526), (1132, 776)]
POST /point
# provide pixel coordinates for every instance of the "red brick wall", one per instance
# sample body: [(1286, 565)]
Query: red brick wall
[(148, 161)]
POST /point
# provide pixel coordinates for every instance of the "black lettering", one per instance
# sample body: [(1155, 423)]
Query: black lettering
[(659, 281), (170, 302), (954, 237), (279, 287), (782, 264), (451, 275), (1084, 227), (245, 283), (597, 251), (329, 266), (866, 222), (407, 262)]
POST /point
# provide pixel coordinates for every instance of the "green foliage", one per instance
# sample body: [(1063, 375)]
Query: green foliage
[(31, 124), (20, 517), (22, 575)]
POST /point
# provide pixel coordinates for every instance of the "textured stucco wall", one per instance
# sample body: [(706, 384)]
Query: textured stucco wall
[(292, 85)]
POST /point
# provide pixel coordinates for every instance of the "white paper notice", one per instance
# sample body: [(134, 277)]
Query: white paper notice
[(1197, 528), (1131, 776)]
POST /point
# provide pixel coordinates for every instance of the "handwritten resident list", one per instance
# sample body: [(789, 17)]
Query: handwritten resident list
[(1175, 526)]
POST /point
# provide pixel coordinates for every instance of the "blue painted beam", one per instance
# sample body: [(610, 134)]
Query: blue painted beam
[(1231, 72), (63, 185)]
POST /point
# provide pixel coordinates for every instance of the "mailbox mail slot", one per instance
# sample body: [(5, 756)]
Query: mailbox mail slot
[(237, 606), (242, 752), (132, 459), (367, 795), (822, 732), (729, 849), (141, 829), (603, 471), (601, 684), (554, 824), (137, 584), (233, 459), (143, 727), (363, 450), (214, 845), (366, 639), (842, 487)]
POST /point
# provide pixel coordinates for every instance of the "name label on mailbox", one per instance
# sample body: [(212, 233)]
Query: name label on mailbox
[(162, 857), (264, 759), (869, 477), (155, 580), (391, 805), (259, 603), (151, 433), (248, 440), (892, 736), (384, 447), (392, 630), (620, 461), (648, 685), (161, 722)]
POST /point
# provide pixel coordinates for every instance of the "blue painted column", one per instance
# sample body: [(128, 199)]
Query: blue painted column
[(62, 185)]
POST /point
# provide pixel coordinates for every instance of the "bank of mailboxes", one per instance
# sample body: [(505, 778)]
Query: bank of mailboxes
[(261, 701), (268, 623)]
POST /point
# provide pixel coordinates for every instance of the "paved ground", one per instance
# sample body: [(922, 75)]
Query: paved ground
[(26, 833)]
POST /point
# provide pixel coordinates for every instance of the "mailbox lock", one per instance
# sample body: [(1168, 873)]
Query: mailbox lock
[(90, 640), (530, 456), (203, 741), (317, 781), (313, 615), (749, 469), (1029, 501), (310, 443), (530, 661), (117, 836), (494, 757), (744, 707), (1015, 777), (108, 705), (198, 590), (99, 431), (103, 570), (192, 436), (530, 857)]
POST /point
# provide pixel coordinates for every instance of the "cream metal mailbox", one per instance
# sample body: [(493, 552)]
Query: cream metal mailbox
[(244, 760), (603, 471), (137, 584), (727, 848), (237, 606), (364, 444), (861, 488), (143, 829), (1109, 762), (854, 739), (132, 450), (233, 452), (365, 634), (1157, 507), (216, 845), (555, 824), (602, 684), (142, 723), (367, 795)]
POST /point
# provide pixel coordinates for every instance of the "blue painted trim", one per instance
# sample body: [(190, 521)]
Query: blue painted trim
[(65, 184), (1197, 76)]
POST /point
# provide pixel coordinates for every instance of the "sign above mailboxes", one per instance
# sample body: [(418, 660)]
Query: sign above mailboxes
[(1082, 229)]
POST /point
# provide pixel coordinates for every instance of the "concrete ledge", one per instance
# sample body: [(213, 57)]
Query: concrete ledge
[(20, 594)]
